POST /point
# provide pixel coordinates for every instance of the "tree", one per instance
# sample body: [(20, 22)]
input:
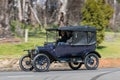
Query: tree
[(97, 13), (118, 1), (5, 10), (72, 11)]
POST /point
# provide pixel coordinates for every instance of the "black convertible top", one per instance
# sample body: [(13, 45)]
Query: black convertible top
[(73, 28)]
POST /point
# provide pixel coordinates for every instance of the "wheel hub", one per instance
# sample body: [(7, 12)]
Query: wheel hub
[(27, 62), (41, 62), (91, 61)]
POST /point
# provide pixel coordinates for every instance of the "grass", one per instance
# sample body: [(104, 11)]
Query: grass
[(16, 50), (110, 48)]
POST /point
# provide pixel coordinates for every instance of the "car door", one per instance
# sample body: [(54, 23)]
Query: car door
[(68, 50)]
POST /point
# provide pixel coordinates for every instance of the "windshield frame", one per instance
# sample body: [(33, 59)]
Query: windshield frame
[(47, 35)]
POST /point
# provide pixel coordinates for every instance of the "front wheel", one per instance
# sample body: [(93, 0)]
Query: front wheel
[(25, 63), (41, 63), (74, 65), (91, 61)]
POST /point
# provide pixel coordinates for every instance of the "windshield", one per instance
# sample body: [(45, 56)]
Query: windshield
[(51, 36)]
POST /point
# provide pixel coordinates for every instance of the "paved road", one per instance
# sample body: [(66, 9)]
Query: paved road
[(100, 74)]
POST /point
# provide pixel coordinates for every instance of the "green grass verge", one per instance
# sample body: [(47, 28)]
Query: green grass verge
[(110, 48), (10, 50)]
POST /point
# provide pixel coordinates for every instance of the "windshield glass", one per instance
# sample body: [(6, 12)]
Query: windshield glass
[(51, 36)]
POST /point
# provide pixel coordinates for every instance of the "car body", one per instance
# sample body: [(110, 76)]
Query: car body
[(78, 49)]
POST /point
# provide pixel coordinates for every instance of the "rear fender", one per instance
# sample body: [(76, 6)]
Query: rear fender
[(95, 52)]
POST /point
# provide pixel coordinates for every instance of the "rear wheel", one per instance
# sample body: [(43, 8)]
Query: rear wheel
[(41, 63), (25, 63), (91, 61), (75, 65)]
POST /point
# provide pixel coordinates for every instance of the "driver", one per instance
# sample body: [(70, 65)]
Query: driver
[(64, 36)]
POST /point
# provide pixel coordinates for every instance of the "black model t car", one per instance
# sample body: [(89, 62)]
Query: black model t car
[(76, 47)]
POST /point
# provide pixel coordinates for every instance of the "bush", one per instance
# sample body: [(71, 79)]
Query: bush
[(97, 13)]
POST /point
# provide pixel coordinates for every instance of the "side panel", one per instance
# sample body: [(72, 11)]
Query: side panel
[(71, 51), (48, 51)]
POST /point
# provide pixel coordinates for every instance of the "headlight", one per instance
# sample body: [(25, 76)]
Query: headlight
[(36, 50), (33, 51), (29, 51)]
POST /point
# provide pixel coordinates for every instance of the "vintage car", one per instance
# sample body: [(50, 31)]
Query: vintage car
[(76, 48)]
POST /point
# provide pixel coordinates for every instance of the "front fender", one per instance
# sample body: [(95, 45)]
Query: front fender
[(52, 57)]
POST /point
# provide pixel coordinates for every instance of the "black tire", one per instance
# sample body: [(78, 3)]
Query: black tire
[(91, 61), (27, 64), (41, 63), (74, 65)]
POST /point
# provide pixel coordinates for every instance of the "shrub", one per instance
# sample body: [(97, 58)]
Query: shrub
[(97, 13)]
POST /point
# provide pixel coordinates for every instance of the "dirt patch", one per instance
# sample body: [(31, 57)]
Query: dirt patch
[(9, 65), (13, 64), (10, 40), (109, 63)]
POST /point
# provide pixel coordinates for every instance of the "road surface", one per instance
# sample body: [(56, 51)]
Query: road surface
[(100, 74)]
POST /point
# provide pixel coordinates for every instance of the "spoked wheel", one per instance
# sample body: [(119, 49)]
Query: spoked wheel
[(25, 63), (41, 63), (91, 61), (75, 65)]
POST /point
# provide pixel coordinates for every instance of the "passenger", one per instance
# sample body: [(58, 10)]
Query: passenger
[(69, 37), (69, 34)]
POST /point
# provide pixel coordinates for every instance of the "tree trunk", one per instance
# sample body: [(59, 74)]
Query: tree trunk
[(114, 15), (4, 20), (20, 11), (70, 12)]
